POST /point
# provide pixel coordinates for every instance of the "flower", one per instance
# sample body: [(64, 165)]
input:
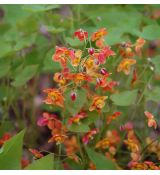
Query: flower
[(81, 34), (77, 118), (59, 78), (139, 44), (99, 34), (89, 135), (110, 141), (5, 138), (79, 77), (36, 153), (76, 59), (62, 54), (113, 117), (110, 85), (50, 120), (125, 50), (98, 103), (54, 97), (71, 147), (151, 120), (125, 65), (104, 54), (58, 138), (126, 127), (134, 78)]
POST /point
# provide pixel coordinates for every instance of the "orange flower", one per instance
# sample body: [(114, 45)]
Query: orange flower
[(71, 147), (110, 85), (76, 60), (99, 34), (58, 138), (139, 44), (151, 120), (104, 54), (134, 78), (89, 136), (109, 142), (78, 77), (81, 34), (113, 117), (98, 103), (100, 43), (125, 65), (54, 97), (62, 54), (59, 78), (36, 153), (77, 118), (125, 50)]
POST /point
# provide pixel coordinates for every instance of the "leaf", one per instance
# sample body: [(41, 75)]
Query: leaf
[(79, 128), (92, 117), (156, 62), (49, 64), (4, 68), (125, 98), (151, 32), (54, 30), (40, 7), (153, 94), (74, 42), (11, 153), (25, 75), (101, 162), (74, 165), (75, 106), (6, 49), (45, 163)]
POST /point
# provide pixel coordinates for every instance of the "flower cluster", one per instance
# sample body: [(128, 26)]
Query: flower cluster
[(85, 70)]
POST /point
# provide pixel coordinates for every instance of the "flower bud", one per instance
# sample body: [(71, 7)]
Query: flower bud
[(91, 51), (73, 96), (103, 71)]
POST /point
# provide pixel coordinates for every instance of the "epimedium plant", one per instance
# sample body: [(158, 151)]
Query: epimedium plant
[(100, 94), (87, 96)]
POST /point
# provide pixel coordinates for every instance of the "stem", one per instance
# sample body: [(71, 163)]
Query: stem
[(81, 150)]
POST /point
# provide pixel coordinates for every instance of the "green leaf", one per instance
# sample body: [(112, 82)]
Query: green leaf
[(125, 98), (156, 62), (4, 67), (74, 165), (74, 42), (153, 94), (25, 75), (101, 162), (11, 153), (151, 32), (6, 49), (54, 30), (74, 107), (92, 117), (40, 7), (79, 128), (45, 163)]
